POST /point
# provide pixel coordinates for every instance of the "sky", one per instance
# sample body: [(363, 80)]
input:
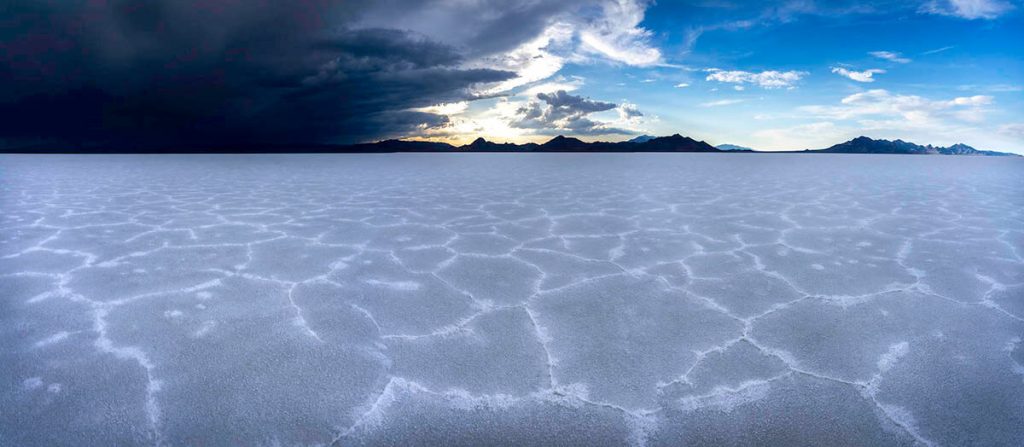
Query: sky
[(771, 75)]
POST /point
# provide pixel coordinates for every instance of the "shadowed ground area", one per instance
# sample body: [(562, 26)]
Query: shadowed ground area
[(523, 299)]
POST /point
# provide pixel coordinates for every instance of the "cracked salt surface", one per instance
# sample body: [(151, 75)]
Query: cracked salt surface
[(523, 299)]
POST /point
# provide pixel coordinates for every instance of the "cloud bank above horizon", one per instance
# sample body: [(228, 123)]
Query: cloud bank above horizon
[(765, 74)]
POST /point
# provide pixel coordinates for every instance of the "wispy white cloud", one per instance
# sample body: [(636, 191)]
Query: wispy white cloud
[(532, 61), (770, 79), (1013, 130), (722, 102), (554, 85), (890, 56), (859, 76), (451, 108), (881, 109), (995, 88), (618, 36), (682, 85), (968, 9), (938, 50)]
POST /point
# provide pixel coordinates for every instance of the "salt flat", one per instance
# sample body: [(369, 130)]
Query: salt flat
[(525, 299)]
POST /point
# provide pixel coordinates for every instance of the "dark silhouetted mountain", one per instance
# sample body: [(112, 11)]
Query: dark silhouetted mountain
[(400, 146), (641, 139), (677, 143), (865, 145), (564, 144), (482, 145), (733, 147), (674, 143)]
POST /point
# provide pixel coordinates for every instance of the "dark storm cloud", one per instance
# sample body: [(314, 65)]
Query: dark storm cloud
[(561, 112), (227, 71)]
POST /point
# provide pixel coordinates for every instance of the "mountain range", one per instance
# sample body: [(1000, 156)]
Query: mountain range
[(865, 145), (644, 143)]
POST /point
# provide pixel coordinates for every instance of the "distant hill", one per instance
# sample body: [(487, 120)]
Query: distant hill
[(865, 145), (733, 147)]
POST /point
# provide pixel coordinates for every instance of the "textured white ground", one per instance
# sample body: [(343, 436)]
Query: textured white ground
[(511, 299)]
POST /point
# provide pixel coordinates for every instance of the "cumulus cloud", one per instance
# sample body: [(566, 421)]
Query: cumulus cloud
[(770, 79), (890, 56), (968, 9), (859, 76), (562, 112)]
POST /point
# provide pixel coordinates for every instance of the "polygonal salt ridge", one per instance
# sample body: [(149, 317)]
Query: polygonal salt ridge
[(402, 302), (104, 242), (838, 345), (295, 260), (938, 266), (718, 265), (861, 244), (181, 267), (399, 412), (775, 411), (645, 248), (1015, 349), (70, 219), (29, 287), (423, 260), (526, 230), (730, 367), (512, 212), (507, 357), (597, 248), (1014, 240), (618, 365), (675, 274), (746, 295), (821, 274), (591, 225), (1000, 295), (560, 269), (493, 280), (44, 260), (162, 339), (18, 239), (970, 354), (482, 244), (222, 234)]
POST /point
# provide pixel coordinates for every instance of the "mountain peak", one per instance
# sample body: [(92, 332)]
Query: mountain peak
[(562, 139), (641, 139)]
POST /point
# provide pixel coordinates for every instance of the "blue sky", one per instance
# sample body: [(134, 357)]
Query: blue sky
[(772, 75)]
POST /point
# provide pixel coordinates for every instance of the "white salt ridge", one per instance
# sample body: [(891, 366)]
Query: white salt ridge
[(528, 299)]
